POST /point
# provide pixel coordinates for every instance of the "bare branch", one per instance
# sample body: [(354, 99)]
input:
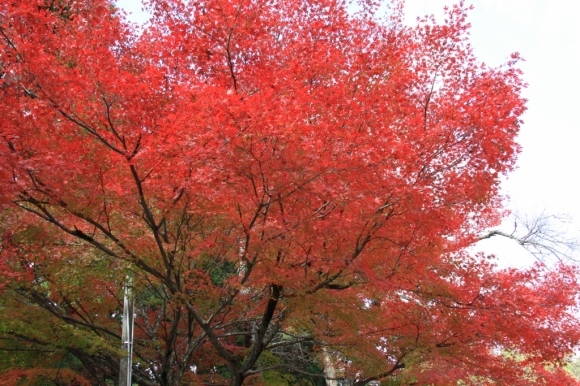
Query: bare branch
[(542, 235)]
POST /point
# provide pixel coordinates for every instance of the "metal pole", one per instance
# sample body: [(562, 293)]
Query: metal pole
[(127, 334)]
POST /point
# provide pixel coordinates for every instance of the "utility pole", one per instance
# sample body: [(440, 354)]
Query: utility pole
[(127, 335)]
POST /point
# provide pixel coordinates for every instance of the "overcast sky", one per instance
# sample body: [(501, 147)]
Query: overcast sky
[(547, 35)]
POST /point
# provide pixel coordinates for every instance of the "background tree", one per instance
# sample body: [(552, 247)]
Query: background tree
[(281, 178), (542, 235)]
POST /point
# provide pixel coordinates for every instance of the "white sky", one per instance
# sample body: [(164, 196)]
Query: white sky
[(547, 34)]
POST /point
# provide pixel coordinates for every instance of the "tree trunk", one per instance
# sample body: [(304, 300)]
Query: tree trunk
[(329, 371), (236, 379)]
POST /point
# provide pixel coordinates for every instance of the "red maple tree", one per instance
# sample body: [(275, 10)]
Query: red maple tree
[(280, 177)]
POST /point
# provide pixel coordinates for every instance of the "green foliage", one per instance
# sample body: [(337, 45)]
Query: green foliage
[(218, 271), (284, 376), (61, 8), (573, 367)]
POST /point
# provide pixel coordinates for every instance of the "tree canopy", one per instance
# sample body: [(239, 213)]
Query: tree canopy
[(294, 186)]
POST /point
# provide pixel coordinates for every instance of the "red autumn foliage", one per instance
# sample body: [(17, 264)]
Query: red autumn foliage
[(276, 174)]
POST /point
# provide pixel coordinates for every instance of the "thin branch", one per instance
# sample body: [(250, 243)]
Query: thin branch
[(541, 236)]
